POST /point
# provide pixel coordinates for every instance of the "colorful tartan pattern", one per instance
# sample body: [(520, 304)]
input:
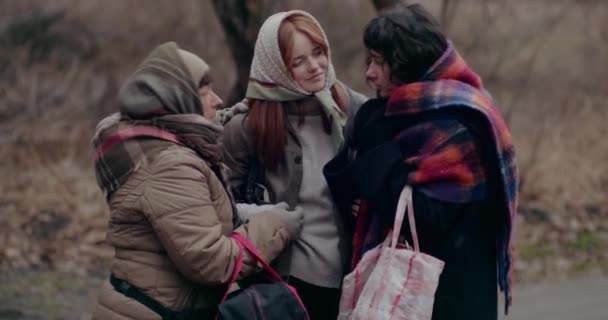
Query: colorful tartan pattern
[(116, 158), (446, 159), (446, 166), (451, 84)]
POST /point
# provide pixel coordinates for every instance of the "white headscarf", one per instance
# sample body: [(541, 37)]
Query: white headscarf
[(270, 78)]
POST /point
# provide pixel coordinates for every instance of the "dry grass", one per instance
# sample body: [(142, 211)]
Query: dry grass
[(542, 60)]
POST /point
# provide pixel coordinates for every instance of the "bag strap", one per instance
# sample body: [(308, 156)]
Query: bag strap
[(124, 134), (405, 203), (243, 243), (134, 293), (256, 255), (237, 269), (165, 313)]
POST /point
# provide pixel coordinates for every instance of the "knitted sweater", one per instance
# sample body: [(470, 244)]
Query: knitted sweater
[(318, 246)]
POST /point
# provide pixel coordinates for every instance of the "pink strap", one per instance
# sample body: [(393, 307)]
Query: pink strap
[(256, 255), (410, 215), (405, 203), (133, 132), (243, 243), (235, 272)]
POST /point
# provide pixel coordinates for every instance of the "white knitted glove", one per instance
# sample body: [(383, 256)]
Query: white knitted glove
[(246, 210), (224, 115), (293, 220)]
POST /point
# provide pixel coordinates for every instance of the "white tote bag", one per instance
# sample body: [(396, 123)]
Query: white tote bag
[(392, 281)]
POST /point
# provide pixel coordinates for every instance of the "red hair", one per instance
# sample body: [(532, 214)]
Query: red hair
[(267, 119), (299, 24)]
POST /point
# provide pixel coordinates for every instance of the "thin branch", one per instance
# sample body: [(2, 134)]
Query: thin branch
[(539, 135), (552, 25), (448, 11), (61, 90)]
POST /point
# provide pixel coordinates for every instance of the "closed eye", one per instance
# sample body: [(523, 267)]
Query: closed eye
[(296, 62), (317, 51)]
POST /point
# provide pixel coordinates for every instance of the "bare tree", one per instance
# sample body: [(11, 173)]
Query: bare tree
[(241, 21), (448, 11), (385, 4)]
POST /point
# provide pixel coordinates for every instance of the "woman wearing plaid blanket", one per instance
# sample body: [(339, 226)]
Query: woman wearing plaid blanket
[(435, 128)]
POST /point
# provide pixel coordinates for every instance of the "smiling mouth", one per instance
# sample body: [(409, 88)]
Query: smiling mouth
[(315, 77)]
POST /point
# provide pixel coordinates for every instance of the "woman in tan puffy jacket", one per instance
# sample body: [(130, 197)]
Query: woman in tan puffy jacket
[(158, 162)]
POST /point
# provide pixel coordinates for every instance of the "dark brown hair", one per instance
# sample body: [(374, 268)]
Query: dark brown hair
[(408, 38)]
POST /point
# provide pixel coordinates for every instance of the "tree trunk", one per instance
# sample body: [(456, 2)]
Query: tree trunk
[(241, 21), (385, 4)]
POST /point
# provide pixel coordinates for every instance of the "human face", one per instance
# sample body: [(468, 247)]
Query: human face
[(308, 63), (210, 101), (378, 74)]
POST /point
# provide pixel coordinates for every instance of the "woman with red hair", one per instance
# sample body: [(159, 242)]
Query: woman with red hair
[(276, 151)]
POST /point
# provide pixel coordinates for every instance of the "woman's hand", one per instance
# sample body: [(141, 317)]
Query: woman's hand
[(356, 207), (293, 220)]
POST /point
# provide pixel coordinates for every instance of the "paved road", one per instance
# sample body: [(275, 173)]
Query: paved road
[(576, 299), (43, 295)]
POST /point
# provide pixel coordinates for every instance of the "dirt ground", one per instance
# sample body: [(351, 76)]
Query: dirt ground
[(44, 294)]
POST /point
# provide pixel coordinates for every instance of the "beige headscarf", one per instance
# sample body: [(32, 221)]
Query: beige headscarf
[(195, 65), (270, 79), (172, 75)]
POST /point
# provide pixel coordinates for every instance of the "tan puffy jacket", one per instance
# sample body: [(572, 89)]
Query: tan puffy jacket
[(169, 224)]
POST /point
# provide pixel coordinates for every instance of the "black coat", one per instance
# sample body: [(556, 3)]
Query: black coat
[(463, 235)]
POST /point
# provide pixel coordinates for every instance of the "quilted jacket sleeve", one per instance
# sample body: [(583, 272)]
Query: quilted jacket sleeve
[(176, 199)]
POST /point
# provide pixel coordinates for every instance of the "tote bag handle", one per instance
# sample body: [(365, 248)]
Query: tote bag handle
[(405, 203)]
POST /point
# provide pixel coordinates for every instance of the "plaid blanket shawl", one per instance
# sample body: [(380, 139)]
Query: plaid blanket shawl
[(121, 145), (446, 168)]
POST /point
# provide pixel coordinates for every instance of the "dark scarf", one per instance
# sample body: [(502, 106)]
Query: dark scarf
[(414, 145)]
